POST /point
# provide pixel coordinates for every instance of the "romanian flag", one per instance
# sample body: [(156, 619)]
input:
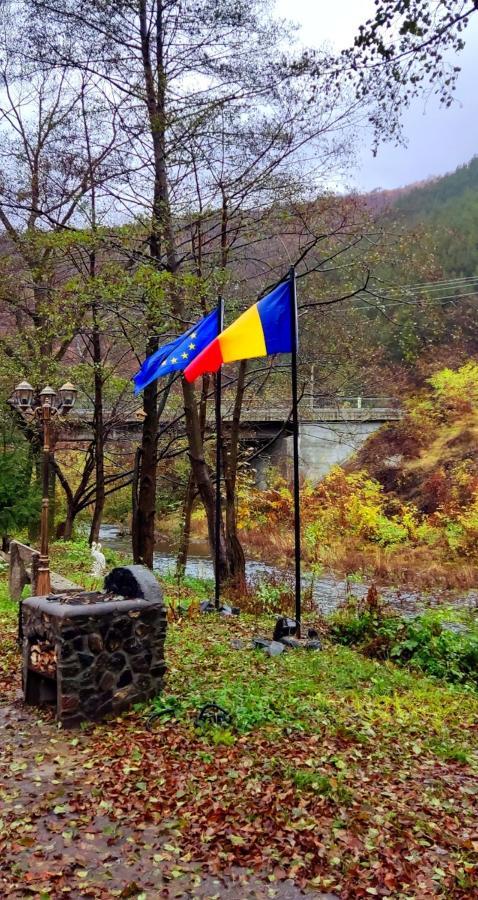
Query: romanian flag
[(264, 329)]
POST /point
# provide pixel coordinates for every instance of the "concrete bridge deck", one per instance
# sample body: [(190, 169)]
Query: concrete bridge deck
[(349, 409), (329, 432)]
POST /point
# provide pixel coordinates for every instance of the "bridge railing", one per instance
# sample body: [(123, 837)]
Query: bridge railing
[(358, 402), (311, 408), (326, 412)]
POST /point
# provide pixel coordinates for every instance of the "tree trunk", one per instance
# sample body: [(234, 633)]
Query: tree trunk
[(143, 540), (144, 520), (66, 527), (134, 503), (202, 476), (236, 559), (98, 431), (235, 554), (162, 243), (188, 504)]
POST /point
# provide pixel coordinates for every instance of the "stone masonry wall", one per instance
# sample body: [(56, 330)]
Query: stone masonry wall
[(109, 655)]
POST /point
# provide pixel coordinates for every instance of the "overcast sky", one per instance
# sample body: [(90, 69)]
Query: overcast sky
[(438, 139)]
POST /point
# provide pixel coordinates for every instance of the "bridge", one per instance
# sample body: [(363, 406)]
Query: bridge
[(345, 409), (330, 431)]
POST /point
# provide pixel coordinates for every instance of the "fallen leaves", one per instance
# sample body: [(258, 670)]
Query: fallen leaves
[(342, 796)]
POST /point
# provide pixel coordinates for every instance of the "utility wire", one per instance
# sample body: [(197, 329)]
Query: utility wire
[(426, 284), (438, 301)]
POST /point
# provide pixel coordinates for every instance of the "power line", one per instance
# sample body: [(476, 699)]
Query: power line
[(436, 302), (426, 284)]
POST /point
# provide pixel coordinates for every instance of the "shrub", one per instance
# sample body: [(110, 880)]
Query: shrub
[(19, 499), (422, 643), (355, 504), (456, 391)]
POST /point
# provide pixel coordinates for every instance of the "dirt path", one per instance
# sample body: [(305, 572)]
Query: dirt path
[(57, 841)]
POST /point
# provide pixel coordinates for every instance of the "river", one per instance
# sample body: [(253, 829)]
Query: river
[(329, 591)]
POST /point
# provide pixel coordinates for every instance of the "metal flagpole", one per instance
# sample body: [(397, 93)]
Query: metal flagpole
[(217, 522), (295, 439)]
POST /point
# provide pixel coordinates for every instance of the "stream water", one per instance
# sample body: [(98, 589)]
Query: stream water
[(329, 591)]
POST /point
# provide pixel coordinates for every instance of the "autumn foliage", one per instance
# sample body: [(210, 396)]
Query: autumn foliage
[(411, 493)]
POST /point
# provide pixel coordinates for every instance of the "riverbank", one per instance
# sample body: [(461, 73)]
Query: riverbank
[(346, 551), (327, 590)]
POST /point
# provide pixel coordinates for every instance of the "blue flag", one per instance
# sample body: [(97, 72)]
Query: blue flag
[(176, 355)]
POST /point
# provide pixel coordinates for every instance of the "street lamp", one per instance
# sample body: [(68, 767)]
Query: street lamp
[(48, 405)]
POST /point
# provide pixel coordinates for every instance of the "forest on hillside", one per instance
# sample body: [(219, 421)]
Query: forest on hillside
[(448, 207)]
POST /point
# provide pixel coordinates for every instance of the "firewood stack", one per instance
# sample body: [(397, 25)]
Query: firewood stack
[(43, 658)]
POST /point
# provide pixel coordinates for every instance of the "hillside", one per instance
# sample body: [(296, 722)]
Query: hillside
[(429, 198), (404, 510), (427, 468), (449, 207)]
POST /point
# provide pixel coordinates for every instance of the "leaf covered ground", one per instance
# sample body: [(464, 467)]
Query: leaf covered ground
[(338, 776)]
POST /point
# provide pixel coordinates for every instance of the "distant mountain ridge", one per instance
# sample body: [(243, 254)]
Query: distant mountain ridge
[(382, 199), (430, 198)]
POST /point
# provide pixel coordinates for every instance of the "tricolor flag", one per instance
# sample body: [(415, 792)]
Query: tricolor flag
[(177, 354), (264, 329)]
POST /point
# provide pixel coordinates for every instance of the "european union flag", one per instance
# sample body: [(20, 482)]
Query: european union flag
[(176, 355)]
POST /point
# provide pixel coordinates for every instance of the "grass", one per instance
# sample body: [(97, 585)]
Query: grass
[(9, 655), (329, 764), (307, 691), (72, 559)]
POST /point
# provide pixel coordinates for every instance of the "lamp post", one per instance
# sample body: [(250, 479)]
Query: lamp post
[(48, 405)]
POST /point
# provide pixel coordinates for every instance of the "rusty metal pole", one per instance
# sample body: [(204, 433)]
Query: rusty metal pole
[(44, 582)]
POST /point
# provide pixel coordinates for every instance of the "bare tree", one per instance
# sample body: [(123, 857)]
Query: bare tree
[(405, 48), (47, 171)]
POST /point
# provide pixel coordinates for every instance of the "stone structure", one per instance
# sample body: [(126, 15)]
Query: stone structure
[(94, 653), (23, 569), (328, 435)]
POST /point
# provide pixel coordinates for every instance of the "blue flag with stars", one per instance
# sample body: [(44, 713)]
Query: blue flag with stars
[(176, 355)]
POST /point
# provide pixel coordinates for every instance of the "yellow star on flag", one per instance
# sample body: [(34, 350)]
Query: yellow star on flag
[(184, 355), (192, 346), (173, 360)]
